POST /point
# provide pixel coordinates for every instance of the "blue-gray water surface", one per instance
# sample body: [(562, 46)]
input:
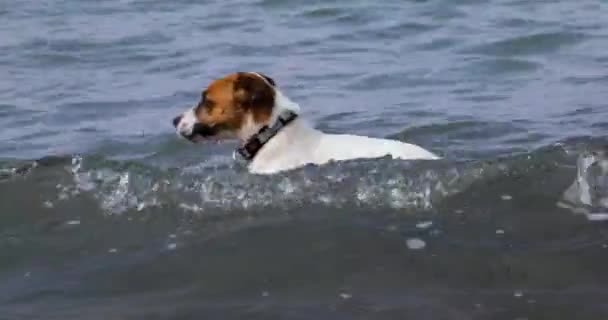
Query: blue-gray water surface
[(106, 214)]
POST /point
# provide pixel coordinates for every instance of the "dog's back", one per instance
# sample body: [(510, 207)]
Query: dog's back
[(346, 146)]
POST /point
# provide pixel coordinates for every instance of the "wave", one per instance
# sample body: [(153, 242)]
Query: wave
[(216, 187)]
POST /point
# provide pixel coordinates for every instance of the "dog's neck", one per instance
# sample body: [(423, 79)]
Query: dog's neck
[(281, 104), (289, 148), (250, 148)]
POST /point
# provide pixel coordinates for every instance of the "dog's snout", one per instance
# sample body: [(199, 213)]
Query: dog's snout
[(176, 120)]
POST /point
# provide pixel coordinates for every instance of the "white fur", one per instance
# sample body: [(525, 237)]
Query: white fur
[(299, 144), (186, 124)]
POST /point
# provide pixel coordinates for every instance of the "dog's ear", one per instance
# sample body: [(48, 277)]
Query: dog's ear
[(269, 79), (252, 91), (254, 94)]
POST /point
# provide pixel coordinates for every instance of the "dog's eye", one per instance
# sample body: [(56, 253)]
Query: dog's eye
[(204, 103), (209, 104)]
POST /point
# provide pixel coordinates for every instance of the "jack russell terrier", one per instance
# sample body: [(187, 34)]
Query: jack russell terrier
[(249, 107)]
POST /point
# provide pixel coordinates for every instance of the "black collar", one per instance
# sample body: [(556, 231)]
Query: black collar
[(258, 140)]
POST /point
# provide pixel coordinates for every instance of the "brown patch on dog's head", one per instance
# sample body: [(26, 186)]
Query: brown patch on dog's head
[(227, 102)]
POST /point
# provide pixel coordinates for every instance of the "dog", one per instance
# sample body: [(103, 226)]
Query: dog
[(249, 107)]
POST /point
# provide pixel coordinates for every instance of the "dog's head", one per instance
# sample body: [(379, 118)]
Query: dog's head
[(235, 106)]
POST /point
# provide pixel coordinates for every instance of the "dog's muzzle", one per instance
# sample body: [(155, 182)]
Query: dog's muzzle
[(195, 131), (204, 130)]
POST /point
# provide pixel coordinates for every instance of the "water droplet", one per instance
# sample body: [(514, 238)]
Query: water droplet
[(597, 216), (506, 197), (73, 222), (345, 296), (172, 246), (435, 232), (424, 224), (415, 243)]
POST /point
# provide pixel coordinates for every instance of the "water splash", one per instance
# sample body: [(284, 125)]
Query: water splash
[(588, 194), (121, 187), (206, 189)]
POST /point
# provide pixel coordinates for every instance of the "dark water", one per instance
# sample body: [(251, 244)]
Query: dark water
[(105, 214)]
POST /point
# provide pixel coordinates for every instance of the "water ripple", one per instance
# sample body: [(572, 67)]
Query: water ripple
[(540, 43)]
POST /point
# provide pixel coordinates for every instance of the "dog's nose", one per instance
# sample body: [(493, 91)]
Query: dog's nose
[(176, 120)]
